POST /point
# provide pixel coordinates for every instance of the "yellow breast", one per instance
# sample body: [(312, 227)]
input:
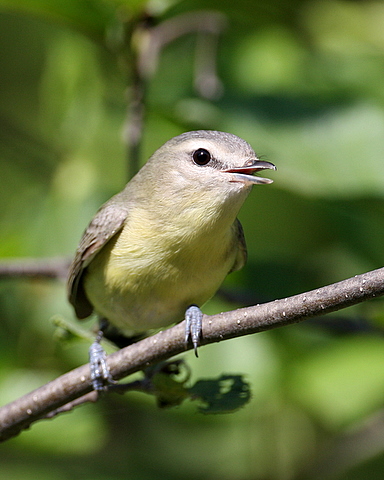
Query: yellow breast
[(149, 273)]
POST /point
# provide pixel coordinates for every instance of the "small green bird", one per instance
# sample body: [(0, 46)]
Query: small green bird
[(168, 240)]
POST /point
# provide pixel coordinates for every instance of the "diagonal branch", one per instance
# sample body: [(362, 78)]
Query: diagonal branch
[(36, 405)]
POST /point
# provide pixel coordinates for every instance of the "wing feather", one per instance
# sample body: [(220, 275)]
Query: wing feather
[(242, 255), (107, 222)]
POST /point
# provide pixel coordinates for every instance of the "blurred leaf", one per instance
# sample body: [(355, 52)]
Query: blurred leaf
[(269, 61), (343, 381), (74, 433), (168, 380), (91, 17)]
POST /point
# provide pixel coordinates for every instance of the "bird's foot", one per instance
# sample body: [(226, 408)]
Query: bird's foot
[(193, 326), (100, 375)]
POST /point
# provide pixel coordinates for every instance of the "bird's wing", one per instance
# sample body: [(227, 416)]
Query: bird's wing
[(241, 257), (107, 222)]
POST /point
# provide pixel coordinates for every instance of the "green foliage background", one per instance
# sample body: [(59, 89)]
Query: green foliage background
[(303, 83)]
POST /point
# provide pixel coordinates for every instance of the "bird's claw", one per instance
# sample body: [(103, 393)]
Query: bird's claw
[(100, 375), (193, 326)]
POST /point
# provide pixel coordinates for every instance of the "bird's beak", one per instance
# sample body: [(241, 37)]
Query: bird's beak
[(245, 173)]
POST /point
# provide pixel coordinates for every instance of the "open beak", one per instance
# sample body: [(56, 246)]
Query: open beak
[(245, 173)]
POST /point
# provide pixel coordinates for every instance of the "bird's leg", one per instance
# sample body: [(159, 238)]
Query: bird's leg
[(193, 326), (100, 374)]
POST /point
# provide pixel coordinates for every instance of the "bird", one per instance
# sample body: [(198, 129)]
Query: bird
[(158, 250)]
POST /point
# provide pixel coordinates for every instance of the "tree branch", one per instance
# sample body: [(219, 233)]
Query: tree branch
[(146, 44), (21, 413), (34, 267)]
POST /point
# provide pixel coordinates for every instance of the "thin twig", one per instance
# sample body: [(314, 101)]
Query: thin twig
[(34, 267), (21, 413), (147, 42)]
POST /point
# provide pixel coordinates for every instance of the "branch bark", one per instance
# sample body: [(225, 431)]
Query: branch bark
[(35, 267), (38, 404)]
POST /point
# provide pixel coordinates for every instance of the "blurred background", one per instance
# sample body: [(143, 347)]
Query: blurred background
[(303, 82)]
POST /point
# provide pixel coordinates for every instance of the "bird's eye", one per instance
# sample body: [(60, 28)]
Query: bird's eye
[(201, 156)]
